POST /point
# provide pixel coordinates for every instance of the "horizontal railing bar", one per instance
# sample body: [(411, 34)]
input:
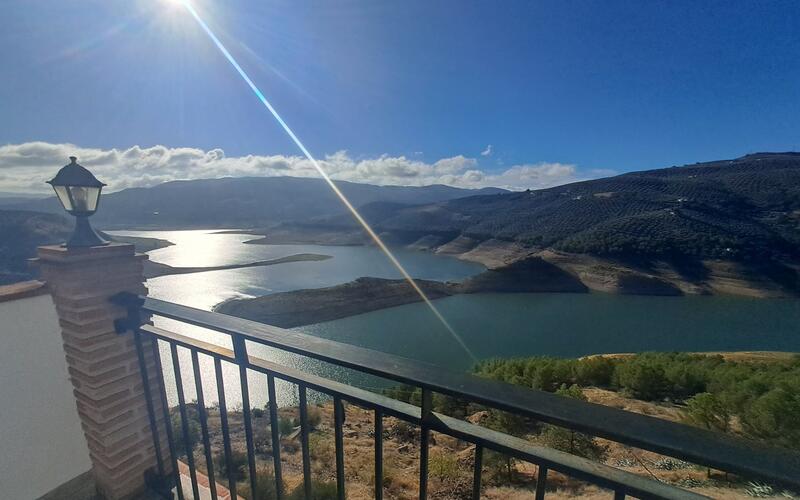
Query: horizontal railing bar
[(571, 465), (192, 343), (669, 438)]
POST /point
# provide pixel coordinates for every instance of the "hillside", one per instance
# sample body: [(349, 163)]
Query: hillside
[(729, 226), (739, 209), (245, 201), (22, 231)]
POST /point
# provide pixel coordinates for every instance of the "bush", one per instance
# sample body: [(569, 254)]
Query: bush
[(764, 396), (314, 416), (265, 486), (238, 465), (642, 379), (773, 416), (576, 443), (443, 465), (595, 371), (257, 412), (404, 431), (707, 411), (285, 426), (499, 468), (320, 490), (448, 476), (193, 426), (321, 448)]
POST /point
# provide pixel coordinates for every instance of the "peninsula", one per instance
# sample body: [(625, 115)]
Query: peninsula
[(156, 269)]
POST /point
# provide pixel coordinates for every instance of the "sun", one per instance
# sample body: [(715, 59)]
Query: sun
[(173, 5)]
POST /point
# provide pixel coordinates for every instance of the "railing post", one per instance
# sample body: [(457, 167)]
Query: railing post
[(104, 366), (242, 360), (425, 435)]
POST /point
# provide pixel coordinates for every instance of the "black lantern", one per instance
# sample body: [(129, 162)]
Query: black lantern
[(79, 193)]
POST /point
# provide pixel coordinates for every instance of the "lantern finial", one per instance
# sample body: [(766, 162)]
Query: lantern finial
[(79, 193)]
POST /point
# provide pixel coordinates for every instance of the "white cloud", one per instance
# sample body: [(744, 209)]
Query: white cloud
[(25, 167), (487, 151)]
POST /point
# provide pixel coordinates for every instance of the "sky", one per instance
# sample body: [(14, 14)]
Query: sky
[(516, 94)]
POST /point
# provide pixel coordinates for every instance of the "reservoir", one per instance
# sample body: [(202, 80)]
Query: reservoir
[(491, 325)]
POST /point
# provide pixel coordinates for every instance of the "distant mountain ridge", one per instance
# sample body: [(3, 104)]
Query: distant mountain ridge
[(735, 209), (728, 226), (245, 201)]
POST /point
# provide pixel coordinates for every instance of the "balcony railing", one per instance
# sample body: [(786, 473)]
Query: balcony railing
[(713, 450)]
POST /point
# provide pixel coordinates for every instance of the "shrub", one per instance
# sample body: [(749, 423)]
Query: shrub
[(448, 477), (576, 443), (320, 490), (643, 379), (443, 465), (314, 416), (596, 371), (707, 411), (285, 426), (404, 431), (265, 486), (238, 465), (762, 395), (499, 468), (773, 416), (321, 448), (257, 412), (193, 427)]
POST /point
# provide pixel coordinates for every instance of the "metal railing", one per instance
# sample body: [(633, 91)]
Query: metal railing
[(706, 448)]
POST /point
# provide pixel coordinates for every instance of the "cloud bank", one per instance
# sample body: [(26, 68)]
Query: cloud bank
[(25, 167)]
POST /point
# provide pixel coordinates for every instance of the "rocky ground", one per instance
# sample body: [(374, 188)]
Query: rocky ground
[(451, 460)]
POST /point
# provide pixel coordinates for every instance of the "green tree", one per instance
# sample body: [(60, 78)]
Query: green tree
[(595, 371), (576, 443), (707, 411), (773, 416), (643, 378)]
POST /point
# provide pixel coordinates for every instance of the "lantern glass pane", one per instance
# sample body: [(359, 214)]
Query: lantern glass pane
[(84, 199), (63, 197)]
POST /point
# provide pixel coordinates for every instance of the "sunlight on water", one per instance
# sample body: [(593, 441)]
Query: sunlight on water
[(206, 289), (496, 325)]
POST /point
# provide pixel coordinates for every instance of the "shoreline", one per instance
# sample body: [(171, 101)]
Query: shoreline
[(635, 275), (157, 269)]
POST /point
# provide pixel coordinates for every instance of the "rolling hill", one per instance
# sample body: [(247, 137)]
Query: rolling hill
[(244, 202), (741, 209), (729, 220), (729, 226)]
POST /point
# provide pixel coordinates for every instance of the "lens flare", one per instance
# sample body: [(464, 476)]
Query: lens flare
[(261, 97)]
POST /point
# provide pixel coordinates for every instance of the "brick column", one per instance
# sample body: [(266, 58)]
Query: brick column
[(103, 365)]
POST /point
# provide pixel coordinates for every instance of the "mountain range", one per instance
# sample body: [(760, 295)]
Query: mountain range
[(722, 226), (243, 202), (741, 209), (728, 226), (208, 203)]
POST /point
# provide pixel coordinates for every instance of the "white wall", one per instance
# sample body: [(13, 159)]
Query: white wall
[(41, 441)]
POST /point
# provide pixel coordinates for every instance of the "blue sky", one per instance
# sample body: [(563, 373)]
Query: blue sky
[(593, 87)]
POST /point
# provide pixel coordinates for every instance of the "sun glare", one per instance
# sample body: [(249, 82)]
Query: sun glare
[(354, 212), (173, 6)]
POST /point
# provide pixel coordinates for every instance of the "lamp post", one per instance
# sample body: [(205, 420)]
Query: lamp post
[(79, 193)]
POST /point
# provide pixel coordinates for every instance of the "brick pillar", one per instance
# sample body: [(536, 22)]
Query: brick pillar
[(103, 365)]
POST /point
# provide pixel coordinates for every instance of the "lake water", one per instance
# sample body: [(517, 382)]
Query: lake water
[(491, 325)]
